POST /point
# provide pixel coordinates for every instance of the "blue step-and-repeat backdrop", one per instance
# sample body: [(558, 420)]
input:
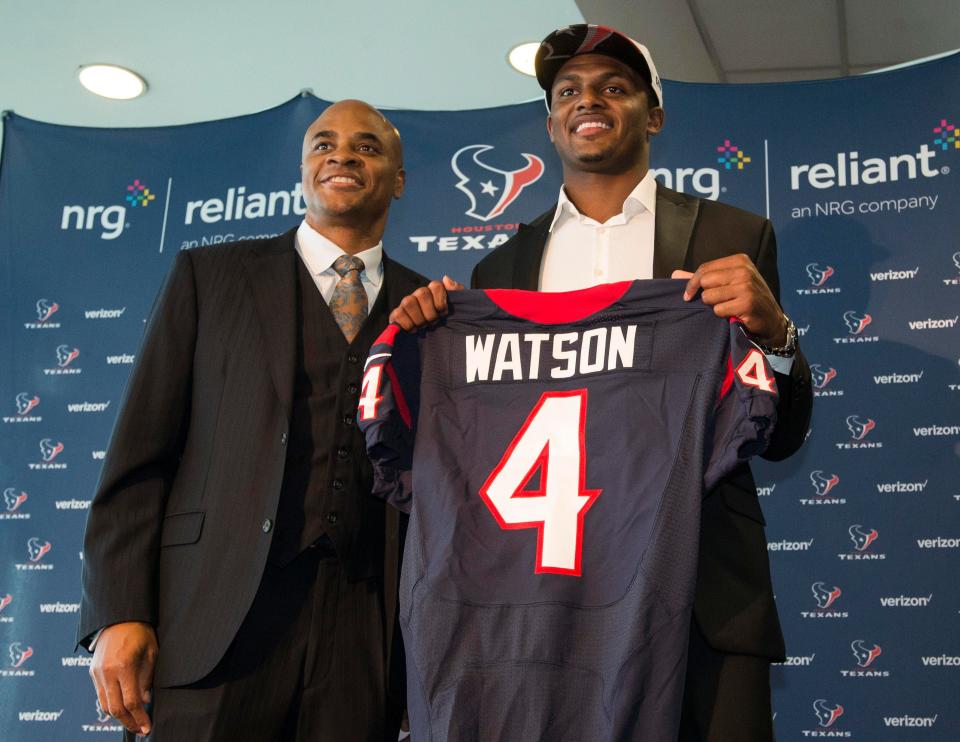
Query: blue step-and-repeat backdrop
[(861, 178)]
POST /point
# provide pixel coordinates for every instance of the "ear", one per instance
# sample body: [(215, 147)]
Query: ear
[(550, 126), (399, 183), (655, 121)]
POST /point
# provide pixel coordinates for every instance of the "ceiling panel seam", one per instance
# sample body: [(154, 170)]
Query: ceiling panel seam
[(843, 37), (707, 40)]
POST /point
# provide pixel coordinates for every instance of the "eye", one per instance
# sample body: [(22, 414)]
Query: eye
[(372, 148), (615, 89), (321, 146)]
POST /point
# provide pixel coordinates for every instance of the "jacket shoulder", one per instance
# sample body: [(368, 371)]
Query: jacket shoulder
[(502, 258), (712, 210)]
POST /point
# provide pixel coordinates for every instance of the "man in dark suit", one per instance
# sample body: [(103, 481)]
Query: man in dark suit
[(613, 222), (238, 574)]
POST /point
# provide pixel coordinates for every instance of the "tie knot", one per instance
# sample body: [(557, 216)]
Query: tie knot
[(346, 263)]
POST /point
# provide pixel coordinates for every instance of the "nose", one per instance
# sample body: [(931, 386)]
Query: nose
[(589, 98), (343, 157)]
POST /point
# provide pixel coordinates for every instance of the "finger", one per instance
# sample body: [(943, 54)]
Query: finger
[(411, 306), (133, 699), (439, 293), (400, 317), (737, 276), (681, 274), (731, 309), (452, 285), (116, 708), (101, 691), (717, 295)]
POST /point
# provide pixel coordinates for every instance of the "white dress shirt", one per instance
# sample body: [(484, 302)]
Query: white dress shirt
[(581, 252), (318, 254)]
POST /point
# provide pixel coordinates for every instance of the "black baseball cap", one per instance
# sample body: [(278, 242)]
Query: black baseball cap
[(587, 38)]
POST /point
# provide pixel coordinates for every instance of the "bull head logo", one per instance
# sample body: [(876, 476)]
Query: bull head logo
[(490, 189), (825, 714)]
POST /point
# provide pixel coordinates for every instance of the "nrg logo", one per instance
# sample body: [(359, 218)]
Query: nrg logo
[(110, 220)]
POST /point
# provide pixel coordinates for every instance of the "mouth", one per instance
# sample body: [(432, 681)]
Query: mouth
[(342, 180), (591, 126)]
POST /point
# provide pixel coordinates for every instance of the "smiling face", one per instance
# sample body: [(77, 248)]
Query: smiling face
[(351, 167), (600, 118)]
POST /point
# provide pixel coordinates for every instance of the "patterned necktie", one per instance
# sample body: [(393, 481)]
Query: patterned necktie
[(349, 300)]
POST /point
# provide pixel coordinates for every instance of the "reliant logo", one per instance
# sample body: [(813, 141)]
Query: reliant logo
[(887, 488), (910, 721), (25, 403), (12, 500), (111, 220), (865, 657), (5, 600), (49, 450), (822, 485), (862, 539), (859, 429), (39, 715), (789, 545), (895, 378), (36, 551), (66, 355), (799, 661), (821, 378), (906, 601), (827, 715), (45, 310), (942, 660), (955, 280), (938, 543), (856, 323), (104, 313), (87, 406), (124, 359), (18, 654), (936, 431), (895, 275), (819, 274), (933, 324), (238, 204)]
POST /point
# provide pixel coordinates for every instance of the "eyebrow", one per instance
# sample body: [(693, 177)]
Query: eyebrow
[(367, 136), (574, 77)]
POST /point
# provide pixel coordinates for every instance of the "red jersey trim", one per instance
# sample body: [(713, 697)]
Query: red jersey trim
[(558, 307)]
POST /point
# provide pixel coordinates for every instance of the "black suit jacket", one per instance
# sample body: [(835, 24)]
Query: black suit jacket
[(734, 598), (181, 523)]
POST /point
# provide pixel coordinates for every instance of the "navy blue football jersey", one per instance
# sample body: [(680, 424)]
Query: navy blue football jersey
[(552, 451)]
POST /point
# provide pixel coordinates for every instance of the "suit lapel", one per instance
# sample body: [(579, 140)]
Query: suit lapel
[(531, 242), (673, 230), (396, 284), (271, 271)]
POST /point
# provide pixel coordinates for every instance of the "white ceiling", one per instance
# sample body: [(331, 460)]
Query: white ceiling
[(206, 60)]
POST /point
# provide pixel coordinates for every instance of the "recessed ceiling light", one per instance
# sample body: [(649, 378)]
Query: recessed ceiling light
[(111, 81), (522, 55)]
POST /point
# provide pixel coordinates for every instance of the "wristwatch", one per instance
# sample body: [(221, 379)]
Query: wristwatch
[(789, 348)]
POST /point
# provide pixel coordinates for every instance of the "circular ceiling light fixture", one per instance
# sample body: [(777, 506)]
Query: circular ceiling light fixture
[(521, 57), (111, 81)]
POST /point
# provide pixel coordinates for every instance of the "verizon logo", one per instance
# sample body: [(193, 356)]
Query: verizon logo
[(933, 324)]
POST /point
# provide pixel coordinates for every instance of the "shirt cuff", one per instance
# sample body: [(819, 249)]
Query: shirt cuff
[(93, 642), (780, 364)]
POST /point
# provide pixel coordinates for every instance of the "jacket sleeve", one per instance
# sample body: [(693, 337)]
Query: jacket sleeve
[(795, 404), (123, 533)]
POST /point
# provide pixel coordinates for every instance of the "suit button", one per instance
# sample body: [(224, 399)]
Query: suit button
[(353, 358), (331, 518), (338, 484), (266, 525), (353, 388), (342, 453), (283, 439), (348, 420)]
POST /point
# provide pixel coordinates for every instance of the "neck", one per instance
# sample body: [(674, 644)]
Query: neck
[(349, 237), (600, 196)]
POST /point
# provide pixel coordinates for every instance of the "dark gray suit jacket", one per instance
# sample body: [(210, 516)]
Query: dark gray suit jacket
[(181, 523), (734, 598)]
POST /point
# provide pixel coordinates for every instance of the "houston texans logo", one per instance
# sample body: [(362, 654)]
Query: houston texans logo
[(13, 499), (19, 655), (36, 550), (822, 484), (5, 601), (820, 377), (50, 450), (956, 260), (856, 322), (818, 275), (824, 597), (861, 538), (102, 716), (25, 403), (859, 428), (66, 355), (46, 309), (826, 715), (490, 189), (864, 656)]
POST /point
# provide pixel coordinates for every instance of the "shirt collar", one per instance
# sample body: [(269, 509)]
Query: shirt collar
[(642, 197), (319, 253)]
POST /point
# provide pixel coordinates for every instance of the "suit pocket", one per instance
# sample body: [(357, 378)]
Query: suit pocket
[(181, 528)]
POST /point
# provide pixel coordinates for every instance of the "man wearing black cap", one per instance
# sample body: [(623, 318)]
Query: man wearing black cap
[(613, 222)]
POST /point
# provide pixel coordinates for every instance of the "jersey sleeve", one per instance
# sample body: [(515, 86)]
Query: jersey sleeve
[(387, 413), (746, 408)]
